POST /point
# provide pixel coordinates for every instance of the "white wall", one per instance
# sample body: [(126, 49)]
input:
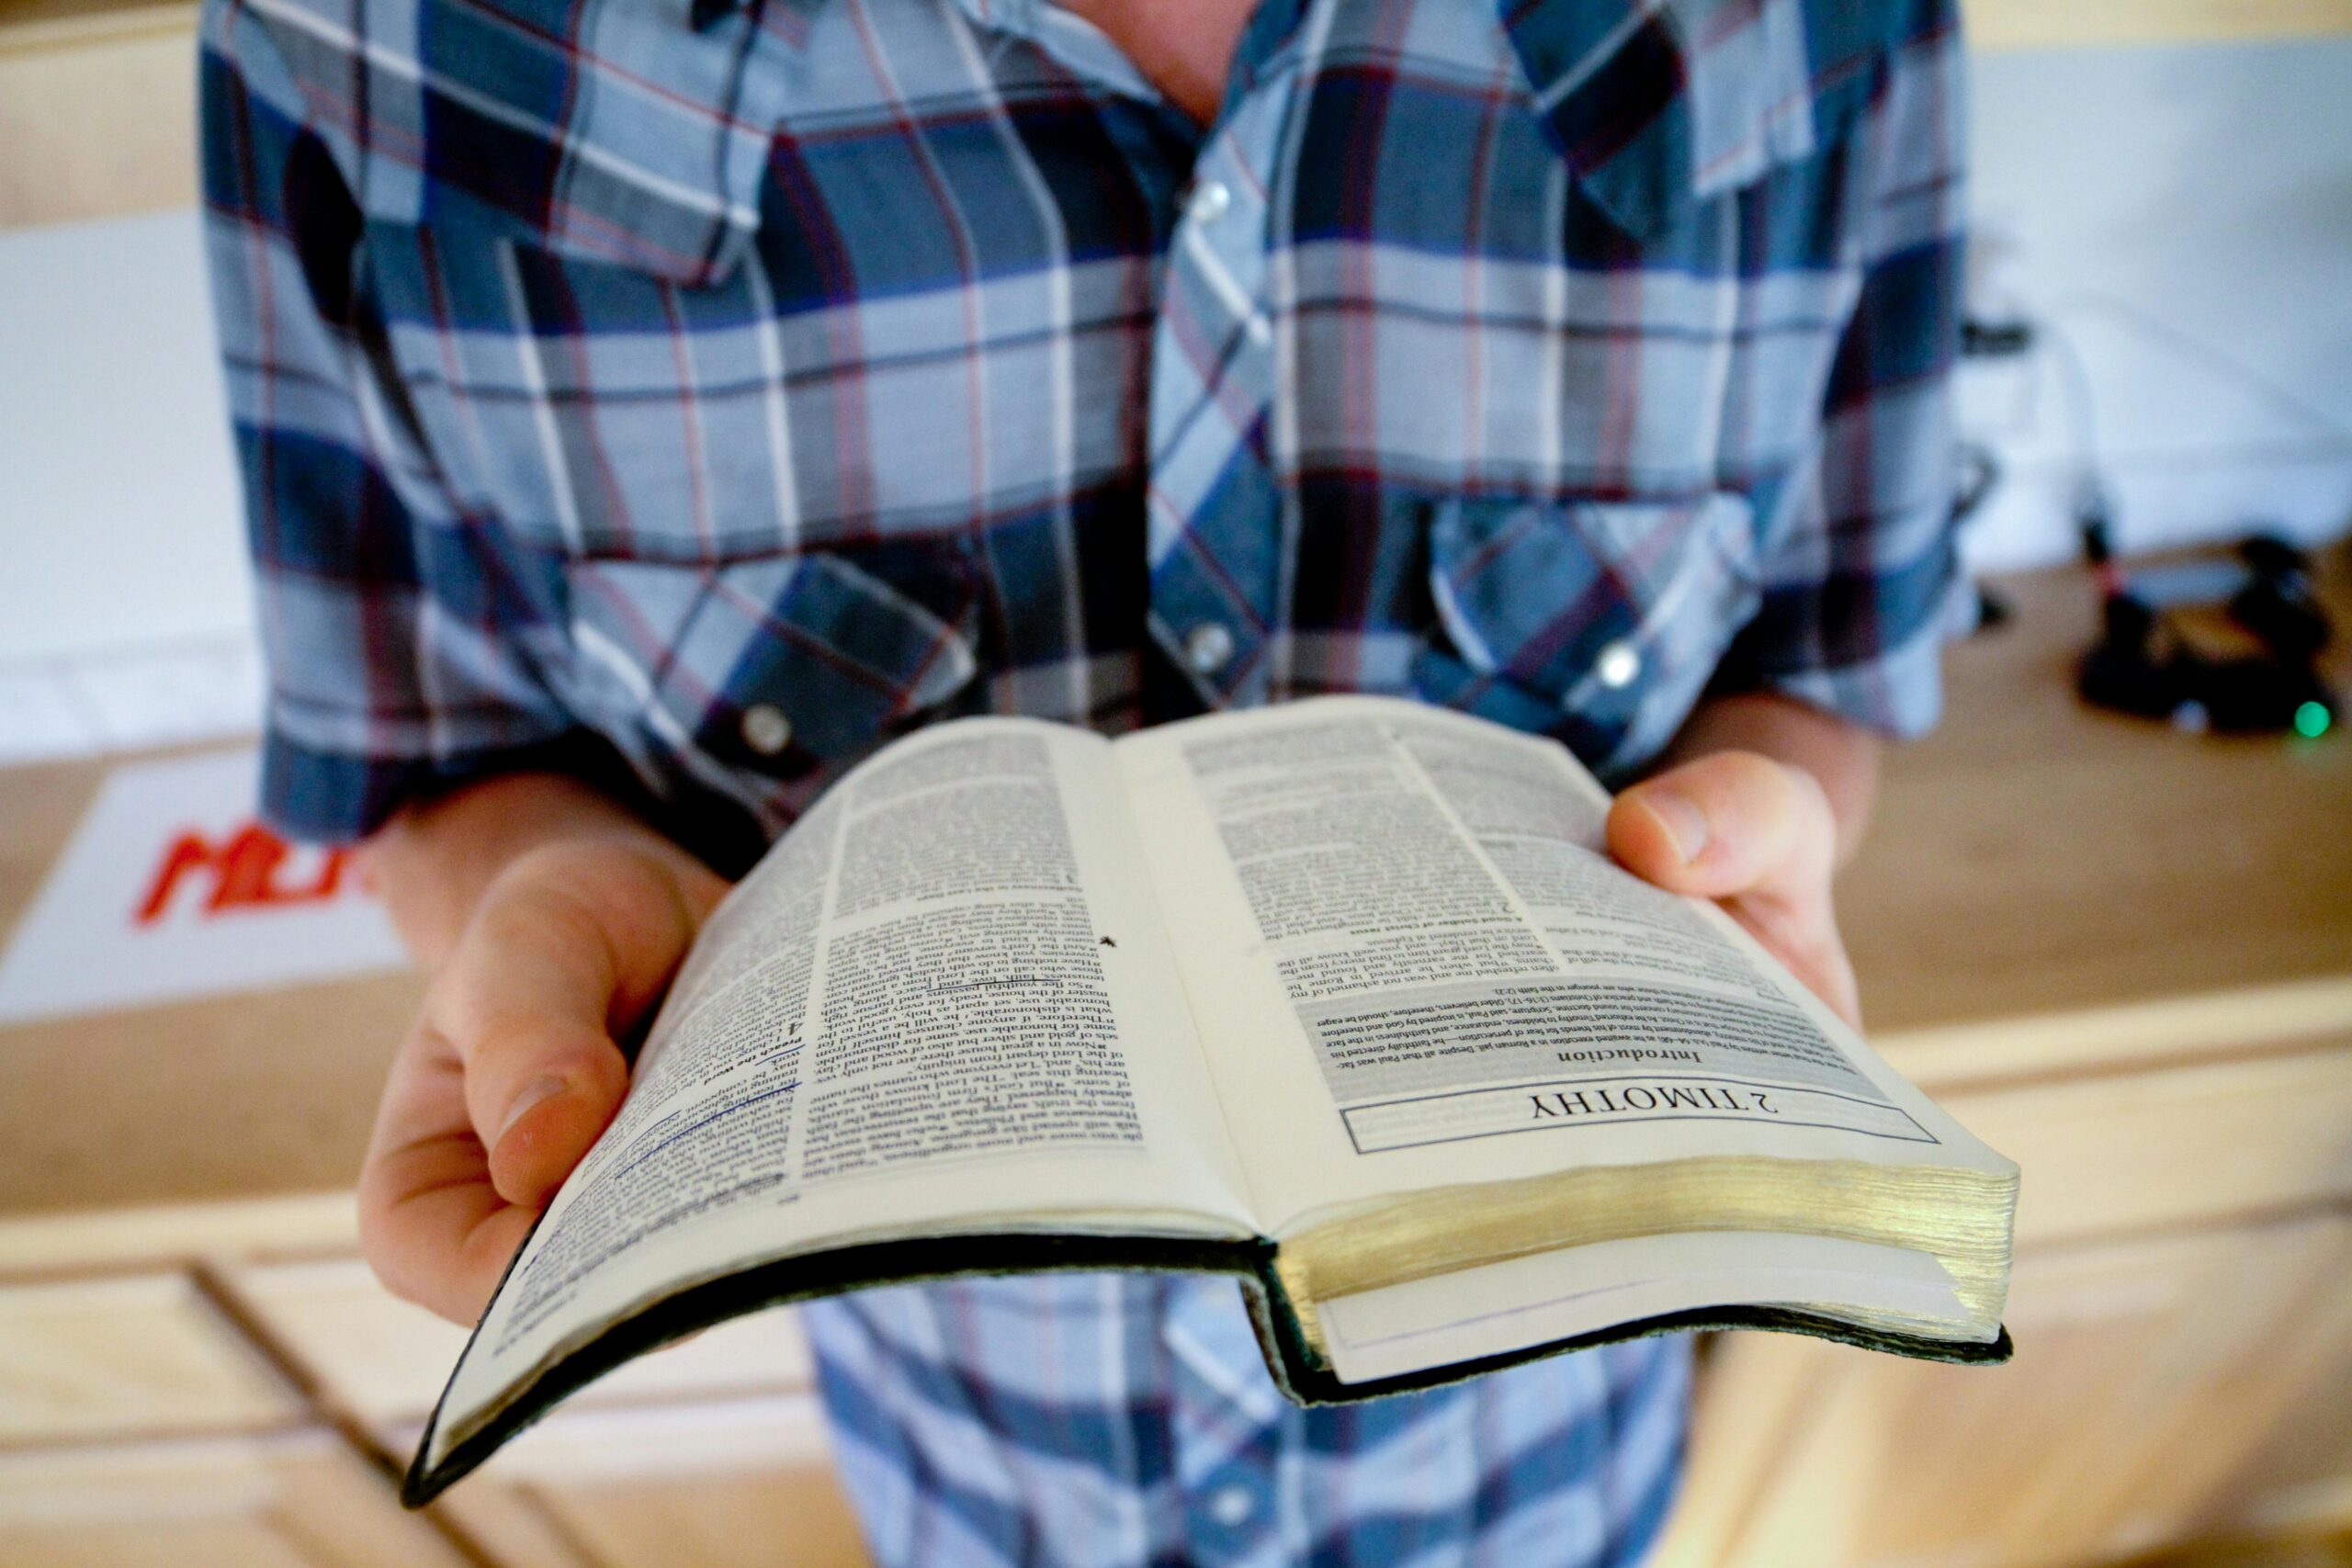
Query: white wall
[(124, 606), (2185, 215), (118, 517)]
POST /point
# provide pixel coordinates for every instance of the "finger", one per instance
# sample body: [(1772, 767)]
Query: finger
[(431, 1223), (1734, 822), (523, 1002), (1802, 934), (561, 960)]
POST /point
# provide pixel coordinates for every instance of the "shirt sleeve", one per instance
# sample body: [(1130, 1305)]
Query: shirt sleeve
[(397, 629), (1860, 581)]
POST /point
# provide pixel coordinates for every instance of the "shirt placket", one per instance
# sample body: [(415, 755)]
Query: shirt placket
[(1077, 44), (1214, 524), (1215, 539), (1232, 1436), (1214, 545)]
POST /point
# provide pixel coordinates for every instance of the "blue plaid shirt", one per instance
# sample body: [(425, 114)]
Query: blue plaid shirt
[(696, 396)]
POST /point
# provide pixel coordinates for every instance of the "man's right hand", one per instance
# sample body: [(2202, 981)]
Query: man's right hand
[(552, 923)]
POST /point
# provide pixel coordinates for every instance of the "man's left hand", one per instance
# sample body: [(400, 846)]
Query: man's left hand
[(1757, 836)]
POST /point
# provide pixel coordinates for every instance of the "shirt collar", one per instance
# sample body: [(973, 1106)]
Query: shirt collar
[(1066, 36), (1653, 104), (1658, 103)]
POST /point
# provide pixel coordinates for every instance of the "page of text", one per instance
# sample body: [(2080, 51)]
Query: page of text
[(943, 1001), (1414, 964)]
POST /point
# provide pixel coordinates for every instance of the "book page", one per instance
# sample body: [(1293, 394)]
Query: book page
[(944, 1001), (1414, 964), (1550, 1296)]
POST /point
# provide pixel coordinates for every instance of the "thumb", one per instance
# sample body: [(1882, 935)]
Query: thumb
[(1727, 824), (561, 962)]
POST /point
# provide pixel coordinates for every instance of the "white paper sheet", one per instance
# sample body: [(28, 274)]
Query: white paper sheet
[(171, 890)]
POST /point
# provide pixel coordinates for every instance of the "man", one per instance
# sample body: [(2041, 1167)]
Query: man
[(645, 411)]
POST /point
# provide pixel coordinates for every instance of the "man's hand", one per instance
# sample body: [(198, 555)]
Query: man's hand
[(1760, 828), (513, 1066)]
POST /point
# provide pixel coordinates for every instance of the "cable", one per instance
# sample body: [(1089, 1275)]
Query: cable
[(2094, 508), (2214, 361)]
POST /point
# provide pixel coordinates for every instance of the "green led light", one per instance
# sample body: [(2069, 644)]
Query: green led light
[(2311, 720)]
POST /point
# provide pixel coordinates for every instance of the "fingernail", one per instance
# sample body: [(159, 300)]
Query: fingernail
[(1684, 823), (537, 1091)]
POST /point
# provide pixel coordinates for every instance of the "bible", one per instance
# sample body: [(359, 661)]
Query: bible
[(1343, 997)]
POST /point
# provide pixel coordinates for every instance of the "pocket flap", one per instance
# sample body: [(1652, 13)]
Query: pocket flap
[(1597, 621), (1534, 590), (776, 666)]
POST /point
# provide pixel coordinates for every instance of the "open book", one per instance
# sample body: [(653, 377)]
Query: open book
[(1343, 997)]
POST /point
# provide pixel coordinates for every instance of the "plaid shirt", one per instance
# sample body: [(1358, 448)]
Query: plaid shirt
[(699, 397)]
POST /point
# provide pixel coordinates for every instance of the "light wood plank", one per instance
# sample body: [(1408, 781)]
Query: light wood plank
[(383, 1361), (2149, 1376), (2188, 1146), (742, 1483), (509, 1526), (792, 1519), (1746, 1409), (749, 1485), (297, 1500), (579, 1444), (143, 1354), (173, 1233), (2128, 1037)]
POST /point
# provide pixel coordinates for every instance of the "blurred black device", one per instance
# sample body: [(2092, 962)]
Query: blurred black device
[(2147, 663)]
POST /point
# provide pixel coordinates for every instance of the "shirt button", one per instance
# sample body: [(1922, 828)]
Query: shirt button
[(1207, 646), (1232, 1506), (765, 729), (1617, 666), (1210, 199)]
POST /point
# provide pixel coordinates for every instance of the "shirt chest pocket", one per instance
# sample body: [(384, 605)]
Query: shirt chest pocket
[(761, 678), (1600, 622)]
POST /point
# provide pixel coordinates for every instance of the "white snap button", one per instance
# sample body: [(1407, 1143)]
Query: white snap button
[(1207, 646), (1210, 199), (1617, 666), (765, 729), (1231, 1506)]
